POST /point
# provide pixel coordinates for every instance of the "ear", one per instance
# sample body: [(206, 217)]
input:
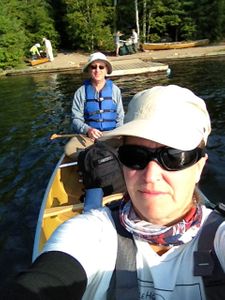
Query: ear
[(199, 167)]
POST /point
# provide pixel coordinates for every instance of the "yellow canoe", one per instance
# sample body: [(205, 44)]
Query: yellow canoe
[(62, 201), (174, 45), (39, 61)]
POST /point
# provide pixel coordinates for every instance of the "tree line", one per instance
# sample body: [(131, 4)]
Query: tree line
[(90, 25)]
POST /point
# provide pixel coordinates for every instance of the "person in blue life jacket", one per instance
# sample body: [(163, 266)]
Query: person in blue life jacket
[(97, 104), (162, 150)]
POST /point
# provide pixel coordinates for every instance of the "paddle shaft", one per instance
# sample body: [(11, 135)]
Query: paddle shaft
[(67, 135)]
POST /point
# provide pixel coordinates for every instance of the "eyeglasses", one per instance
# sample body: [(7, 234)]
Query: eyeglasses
[(170, 159), (94, 67)]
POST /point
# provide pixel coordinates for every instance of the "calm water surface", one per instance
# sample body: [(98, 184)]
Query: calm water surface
[(34, 107)]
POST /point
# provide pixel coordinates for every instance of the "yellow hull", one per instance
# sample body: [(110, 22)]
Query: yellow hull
[(174, 45), (39, 61), (61, 202)]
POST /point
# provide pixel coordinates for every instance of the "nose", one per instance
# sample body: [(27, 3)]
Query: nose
[(152, 172)]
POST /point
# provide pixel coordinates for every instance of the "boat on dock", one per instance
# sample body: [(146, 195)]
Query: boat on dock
[(174, 45)]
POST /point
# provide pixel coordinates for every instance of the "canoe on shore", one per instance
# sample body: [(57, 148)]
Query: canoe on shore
[(62, 201), (39, 61), (174, 45)]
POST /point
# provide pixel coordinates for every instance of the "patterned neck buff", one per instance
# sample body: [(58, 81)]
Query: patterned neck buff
[(177, 234)]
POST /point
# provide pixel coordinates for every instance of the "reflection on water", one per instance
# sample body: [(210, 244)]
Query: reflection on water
[(34, 107)]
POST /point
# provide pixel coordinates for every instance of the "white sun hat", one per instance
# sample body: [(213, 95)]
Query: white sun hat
[(169, 115), (98, 56)]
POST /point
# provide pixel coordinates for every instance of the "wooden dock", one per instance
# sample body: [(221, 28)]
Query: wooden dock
[(136, 66), (121, 67)]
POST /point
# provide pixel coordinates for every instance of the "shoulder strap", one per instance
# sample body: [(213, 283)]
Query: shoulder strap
[(206, 263), (123, 284)]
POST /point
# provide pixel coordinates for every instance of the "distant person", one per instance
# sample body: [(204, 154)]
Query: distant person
[(117, 42), (35, 53), (134, 39), (48, 49), (97, 104)]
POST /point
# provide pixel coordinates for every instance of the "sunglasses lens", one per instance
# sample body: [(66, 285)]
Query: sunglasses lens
[(133, 157), (94, 67), (175, 160), (170, 159)]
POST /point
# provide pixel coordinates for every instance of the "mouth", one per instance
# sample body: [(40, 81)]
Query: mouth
[(152, 193)]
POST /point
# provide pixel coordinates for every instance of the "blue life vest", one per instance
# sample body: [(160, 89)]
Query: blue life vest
[(100, 113)]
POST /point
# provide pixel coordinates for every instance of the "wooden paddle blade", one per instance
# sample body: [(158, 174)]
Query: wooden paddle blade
[(54, 136), (67, 135)]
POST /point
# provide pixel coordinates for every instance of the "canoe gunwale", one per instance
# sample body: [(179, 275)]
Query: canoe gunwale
[(42, 210)]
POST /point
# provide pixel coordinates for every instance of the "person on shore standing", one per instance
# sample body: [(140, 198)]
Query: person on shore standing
[(117, 36), (48, 49), (134, 38)]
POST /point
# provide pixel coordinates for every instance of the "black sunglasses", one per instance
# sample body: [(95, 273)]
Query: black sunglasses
[(137, 157), (94, 67)]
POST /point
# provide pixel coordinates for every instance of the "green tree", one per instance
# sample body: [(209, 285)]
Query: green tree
[(38, 20), (169, 20), (23, 23), (89, 24), (126, 16), (12, 36), (210, 18)]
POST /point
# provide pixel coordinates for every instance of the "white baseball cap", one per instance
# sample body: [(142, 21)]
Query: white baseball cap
[(98, 56), (170, 115)]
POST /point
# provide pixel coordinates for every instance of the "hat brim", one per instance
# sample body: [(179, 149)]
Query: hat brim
[(160, 134), (108, 65)]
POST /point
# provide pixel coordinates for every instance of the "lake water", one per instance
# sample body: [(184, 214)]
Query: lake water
[(34, 107)]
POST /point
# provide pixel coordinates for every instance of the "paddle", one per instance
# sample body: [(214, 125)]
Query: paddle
[(67, 135)]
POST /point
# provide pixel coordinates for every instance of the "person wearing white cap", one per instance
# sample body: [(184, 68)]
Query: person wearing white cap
[(97, 104), (144, 248)]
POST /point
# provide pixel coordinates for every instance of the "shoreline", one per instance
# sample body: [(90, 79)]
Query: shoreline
[(73, 61)]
